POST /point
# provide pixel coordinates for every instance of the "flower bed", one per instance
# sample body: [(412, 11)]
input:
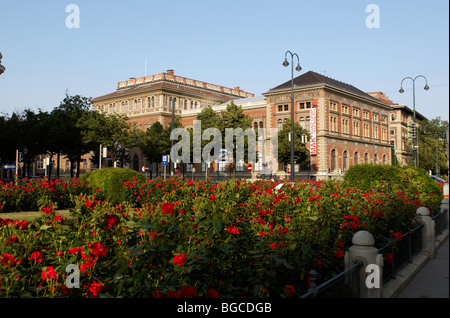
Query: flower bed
[(188, 238)]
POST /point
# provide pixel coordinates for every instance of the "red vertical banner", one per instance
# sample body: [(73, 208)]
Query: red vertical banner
[(312, 131)]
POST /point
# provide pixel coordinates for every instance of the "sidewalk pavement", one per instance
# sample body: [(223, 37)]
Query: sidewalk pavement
[(432, 281)]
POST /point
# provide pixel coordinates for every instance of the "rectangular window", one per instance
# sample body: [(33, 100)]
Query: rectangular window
[(280, 108), (286, 108), (333, 106)]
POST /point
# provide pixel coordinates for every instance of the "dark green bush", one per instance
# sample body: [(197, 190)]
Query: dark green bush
[(111, 183), (363, 176)]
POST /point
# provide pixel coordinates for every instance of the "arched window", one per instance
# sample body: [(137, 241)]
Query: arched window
[(366, 158), (333, 160), (355, 158), (375, 159), (185, 104), (344, 160), (384, 159), (261, 124), (307, 123), (153, 101), (279, 124), (302, 122), (255, 125)]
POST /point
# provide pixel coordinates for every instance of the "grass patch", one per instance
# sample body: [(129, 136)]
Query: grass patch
[(30, 216)]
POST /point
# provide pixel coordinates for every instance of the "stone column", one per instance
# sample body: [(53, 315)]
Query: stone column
[(364, 250), (428, 236)]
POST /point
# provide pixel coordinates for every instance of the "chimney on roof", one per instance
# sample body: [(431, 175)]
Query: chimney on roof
[(237, 88), (169, 72)]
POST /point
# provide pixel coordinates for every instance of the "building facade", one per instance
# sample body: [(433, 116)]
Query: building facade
[(351, 127), (348, 126), (401, 122)]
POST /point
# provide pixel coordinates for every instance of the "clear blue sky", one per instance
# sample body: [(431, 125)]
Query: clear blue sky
[(230, 43)]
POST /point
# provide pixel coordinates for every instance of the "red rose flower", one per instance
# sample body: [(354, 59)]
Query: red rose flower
[(233, 230), (179, 259), (338, 253), (111, 220), (98, 249), (8, 259), (212, 293), (95, 288), (36, 256), (397, 235), (167, 208), (49, 273), (188, 292), (47, 210)]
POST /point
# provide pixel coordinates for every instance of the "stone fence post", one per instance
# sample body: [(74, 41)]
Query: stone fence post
[(428, 232), (444, 204), (371, 273)]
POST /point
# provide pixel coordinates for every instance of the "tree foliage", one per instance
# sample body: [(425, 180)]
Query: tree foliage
[(301, 152)]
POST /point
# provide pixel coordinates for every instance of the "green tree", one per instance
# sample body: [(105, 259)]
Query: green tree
[(233, 117), (301, 152), (69, 113), (113, 131), (432, 145), (155, 141)]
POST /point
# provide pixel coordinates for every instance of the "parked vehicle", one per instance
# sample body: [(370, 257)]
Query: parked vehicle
[(437, 179)]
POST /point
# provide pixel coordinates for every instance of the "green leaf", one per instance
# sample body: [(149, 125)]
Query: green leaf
[(218, 225), (313, 218)]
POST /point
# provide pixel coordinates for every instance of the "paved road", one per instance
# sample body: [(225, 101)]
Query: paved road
[(432, 281)]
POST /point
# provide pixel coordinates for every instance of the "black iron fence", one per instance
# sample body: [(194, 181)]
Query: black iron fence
[(439, 218), (396, 254), (399, 253), (344, 285)]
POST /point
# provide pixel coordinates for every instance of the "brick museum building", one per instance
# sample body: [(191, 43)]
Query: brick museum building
[(348, 126)]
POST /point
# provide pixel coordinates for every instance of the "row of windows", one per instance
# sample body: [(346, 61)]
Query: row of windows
[(345, 128), (357, 159), (148, 103)]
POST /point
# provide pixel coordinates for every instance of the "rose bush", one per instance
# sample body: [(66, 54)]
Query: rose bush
[(185, 238), (25, 195)]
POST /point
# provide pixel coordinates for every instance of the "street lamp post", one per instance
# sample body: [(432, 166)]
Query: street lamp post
[(2, 68), (171, 141), (415, 140), (298, 69)]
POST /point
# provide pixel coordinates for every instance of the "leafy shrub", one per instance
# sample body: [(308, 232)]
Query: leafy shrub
[(414, 181), (363, 176), (110, 183), (418, 182)]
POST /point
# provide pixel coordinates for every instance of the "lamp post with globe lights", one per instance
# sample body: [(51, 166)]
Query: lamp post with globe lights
[(298, 69), (415, 140)]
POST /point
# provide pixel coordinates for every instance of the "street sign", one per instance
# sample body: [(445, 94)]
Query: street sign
[(165, 160), (9, 166), (146, 168), (249, 168), (223, 155)]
